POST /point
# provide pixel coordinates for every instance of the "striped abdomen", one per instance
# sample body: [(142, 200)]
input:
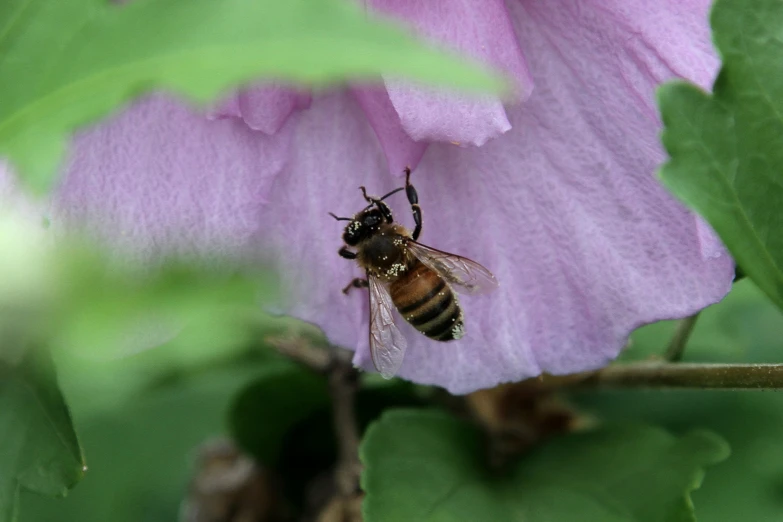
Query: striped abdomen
[(425, 300)]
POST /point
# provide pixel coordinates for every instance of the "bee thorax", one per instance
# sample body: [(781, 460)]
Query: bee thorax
[(384, 257)]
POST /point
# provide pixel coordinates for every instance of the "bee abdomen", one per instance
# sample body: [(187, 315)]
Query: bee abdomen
[(425, 300)]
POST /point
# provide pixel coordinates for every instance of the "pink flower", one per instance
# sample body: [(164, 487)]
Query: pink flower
[(556, 194)]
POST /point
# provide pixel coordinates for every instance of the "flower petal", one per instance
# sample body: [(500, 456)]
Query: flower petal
[(644, 43), (161, 177), (264, 109), (399, 148), (591, 246), (481, 30)]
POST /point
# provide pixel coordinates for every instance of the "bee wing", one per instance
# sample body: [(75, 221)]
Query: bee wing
[(387, 344), (467, 276)]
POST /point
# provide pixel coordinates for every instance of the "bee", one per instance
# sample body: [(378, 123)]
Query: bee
[(419, 281)]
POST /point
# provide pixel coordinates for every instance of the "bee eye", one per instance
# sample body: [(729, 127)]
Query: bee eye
[(353, 232)]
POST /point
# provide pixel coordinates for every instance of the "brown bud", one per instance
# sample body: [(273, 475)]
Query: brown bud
[(342, 509), (229, 486), (519, 415)]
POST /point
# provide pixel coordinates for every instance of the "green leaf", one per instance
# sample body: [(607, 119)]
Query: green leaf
[(727, 148), (66, 64), (748, 485), (39, 450), (426, 465), (265, 411)]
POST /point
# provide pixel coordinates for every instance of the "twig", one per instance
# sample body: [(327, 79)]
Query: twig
[(677, 345), (343, 383), (299, 349), (663, 375)]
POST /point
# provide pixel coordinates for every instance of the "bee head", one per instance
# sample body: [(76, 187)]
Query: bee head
[(362, 226)]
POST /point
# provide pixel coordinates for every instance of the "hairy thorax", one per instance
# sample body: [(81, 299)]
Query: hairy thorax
[(384, 254)]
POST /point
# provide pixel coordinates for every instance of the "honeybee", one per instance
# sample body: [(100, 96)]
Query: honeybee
[(419, 281)]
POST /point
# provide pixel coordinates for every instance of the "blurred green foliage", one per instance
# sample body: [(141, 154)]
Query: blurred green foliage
[(68, 295), (140, 453), (264, 413), (92, 56), (745, 327), (139, 445), (71, 300), (727, 147), (285, 420)]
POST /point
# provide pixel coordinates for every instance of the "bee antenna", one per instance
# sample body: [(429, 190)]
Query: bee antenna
[(392, 193), (339, 218)]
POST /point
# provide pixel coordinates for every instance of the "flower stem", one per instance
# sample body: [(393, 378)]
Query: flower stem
[(677, 345), (663, 375)]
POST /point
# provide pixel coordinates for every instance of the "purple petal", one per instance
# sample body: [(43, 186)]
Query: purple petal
[(660, 40), (564, 208), (481, 30), (161, 178), (399, 148), (265, 108)]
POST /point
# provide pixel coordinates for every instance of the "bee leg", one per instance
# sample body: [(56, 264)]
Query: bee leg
[(383, 207), (368, 199), (413, 199), (378, 202), (356, 283), (385, 210), (347, 254)]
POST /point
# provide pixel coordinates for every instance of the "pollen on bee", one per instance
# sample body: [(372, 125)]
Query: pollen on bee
[(395, 270), (458, 331)]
